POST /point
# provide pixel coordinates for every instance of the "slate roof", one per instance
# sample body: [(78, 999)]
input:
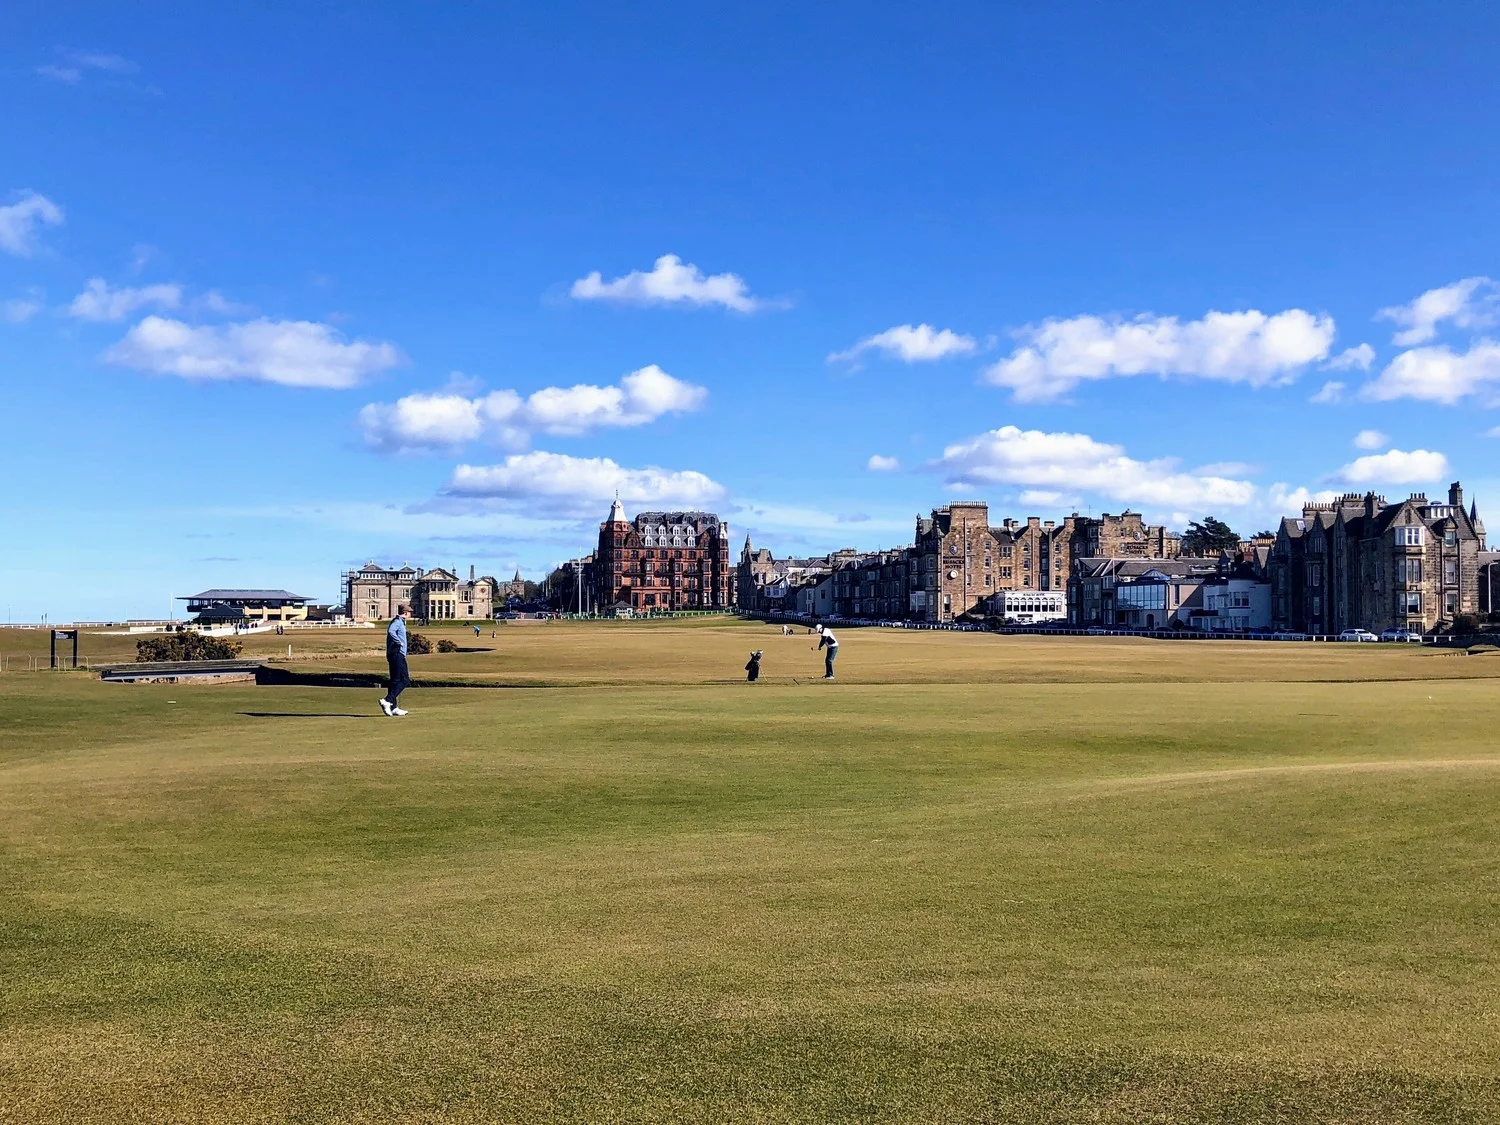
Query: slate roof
[(245, 596)]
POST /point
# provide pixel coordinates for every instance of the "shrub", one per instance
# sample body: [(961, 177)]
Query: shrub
[(188, 645), (445, 645), (1464, 624), (417, 645)]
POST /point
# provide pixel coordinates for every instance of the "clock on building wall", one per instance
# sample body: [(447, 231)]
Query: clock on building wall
[(953, 574)]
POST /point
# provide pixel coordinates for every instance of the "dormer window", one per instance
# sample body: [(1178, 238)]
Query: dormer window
[(1409, 536)]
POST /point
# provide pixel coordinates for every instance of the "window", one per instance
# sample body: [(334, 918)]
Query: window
[(1409, 536), (1450, 572), (1450, 603), (1450, 538), (1412, 601), (1315, 573), (1409, 570)]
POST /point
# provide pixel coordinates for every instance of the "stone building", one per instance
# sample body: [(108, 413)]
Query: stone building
[(1361, 563), (959, 560), (373, 592), (875, 586), (440, 595), (1126, 536), (663, 561)]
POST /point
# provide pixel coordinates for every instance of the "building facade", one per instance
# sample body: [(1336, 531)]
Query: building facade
[(1137, 593), (1361, 563), (253, 606), (373, 592), (663, 561)]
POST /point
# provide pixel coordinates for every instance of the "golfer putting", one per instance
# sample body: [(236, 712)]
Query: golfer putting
[(395, 659)]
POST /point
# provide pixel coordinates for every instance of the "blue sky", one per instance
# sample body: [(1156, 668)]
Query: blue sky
[(287, 287)]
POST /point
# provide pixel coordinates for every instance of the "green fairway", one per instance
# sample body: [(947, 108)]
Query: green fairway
[(977, 879)]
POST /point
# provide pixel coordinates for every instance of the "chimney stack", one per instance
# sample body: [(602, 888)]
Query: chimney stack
[(471, 572), (1456, 494)]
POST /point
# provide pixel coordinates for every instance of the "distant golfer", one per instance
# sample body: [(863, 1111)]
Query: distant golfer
[(752, 670), (395, 658), (827, 640)]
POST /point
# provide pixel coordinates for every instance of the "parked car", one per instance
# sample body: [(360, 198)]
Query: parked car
[(1401, 635), (1358, 635)]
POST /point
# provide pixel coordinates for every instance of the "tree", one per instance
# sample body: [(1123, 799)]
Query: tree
[(1209, 538)]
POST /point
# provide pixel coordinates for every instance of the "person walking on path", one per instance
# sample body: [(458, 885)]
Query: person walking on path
[(395, 658), (827, 640)]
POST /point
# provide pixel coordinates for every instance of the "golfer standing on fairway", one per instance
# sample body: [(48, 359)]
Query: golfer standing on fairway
[(395, 658), (831, 643)]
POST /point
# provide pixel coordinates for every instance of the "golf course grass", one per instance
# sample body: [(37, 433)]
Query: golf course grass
[(979, 878)]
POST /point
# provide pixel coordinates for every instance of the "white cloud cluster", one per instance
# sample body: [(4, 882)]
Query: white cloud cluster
[(99, 302), (1473, 302), (1241, 347), (1061, 462), (19, 222), (579, 487), (1439, 374), (448, 419), (293, 353), (910, 344), (1360, 356), (882, 464), (1370, 439), (670, 281), (1396, 466)]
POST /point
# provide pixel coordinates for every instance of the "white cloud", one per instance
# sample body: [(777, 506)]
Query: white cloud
[(79, 62), (1065, 462), (17, 310), (670, 281), (1283, 500), (1238, 347), (99, 302), (449, 418), (1370, 439), (1471, 303), (1358, 357), (881, 464), (1395, 467), (1047, 498), (911, 344), (19, 222), (1226, 469), (1329, 393), (1438, 374), (579, 486), (215, 302), (293, 353)]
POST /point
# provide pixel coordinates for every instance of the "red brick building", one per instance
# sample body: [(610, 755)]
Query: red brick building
[(663, 561)]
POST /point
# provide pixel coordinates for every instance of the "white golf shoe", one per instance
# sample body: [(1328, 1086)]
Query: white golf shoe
[(385, 705), (398, 711)]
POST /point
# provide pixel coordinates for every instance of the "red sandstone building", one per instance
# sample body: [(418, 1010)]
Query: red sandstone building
[(663, 561)]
